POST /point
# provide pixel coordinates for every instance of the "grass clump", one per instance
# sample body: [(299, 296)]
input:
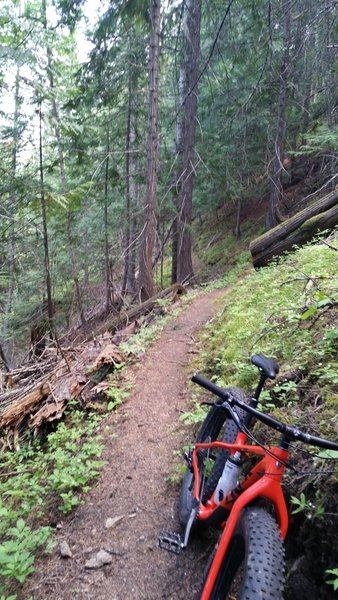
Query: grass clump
[(269, 312)]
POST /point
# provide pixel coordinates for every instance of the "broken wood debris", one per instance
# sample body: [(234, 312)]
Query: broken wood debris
[(38, 392)]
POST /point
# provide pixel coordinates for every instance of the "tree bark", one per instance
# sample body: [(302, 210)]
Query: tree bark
[(237, 229), (50, 305), (129, 279), (146, 281), (331, 95), (273, 216), (320, 222), (106, 235), (4, 359), (290, 225), (182, 88), (182, 263)]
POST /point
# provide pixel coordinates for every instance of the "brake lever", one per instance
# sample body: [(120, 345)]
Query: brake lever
[(234, 416)]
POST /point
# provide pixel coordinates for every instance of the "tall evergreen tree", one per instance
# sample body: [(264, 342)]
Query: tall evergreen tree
[(146, 280), (185, 141)]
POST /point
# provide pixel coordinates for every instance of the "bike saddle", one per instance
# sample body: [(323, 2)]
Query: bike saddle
[(267, 365)]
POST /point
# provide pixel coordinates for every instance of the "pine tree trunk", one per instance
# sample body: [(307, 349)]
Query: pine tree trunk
[(237, 230), (273, 216), (182, 91), (129, 280), (146, 282), (50, 306), (4, 358), (106, 234), (186, 140)]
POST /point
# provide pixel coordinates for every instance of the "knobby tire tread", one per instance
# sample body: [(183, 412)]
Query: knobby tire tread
[(256, 544)]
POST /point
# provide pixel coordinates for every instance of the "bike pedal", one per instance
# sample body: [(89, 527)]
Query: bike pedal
[(170, 541)]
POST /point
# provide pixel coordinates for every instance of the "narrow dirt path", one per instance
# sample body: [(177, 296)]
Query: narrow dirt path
[(142, 438)]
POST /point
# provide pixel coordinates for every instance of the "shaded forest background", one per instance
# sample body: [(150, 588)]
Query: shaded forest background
[(111, 162)]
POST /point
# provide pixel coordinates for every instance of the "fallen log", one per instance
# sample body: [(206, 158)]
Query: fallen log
[(24, 405), (134, 313), (297, 230), (46, 398)]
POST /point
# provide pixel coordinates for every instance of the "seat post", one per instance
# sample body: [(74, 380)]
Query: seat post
[(262, 379), (255, 397)]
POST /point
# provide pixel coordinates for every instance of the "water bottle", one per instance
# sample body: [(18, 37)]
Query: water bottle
[(229, 477)]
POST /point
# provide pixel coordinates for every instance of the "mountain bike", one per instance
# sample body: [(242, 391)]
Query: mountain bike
[(236, 485)]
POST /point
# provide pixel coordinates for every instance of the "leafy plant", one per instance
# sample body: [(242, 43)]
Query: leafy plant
[(60, 468), (334, 581), (116, 396), (195, 416), (313, 510), (287, 392), (17, 552)]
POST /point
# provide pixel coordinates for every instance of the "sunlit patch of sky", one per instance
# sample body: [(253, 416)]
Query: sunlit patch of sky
[(92, 11)]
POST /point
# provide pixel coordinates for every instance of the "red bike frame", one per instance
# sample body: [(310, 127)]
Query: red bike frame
[(264, 480)]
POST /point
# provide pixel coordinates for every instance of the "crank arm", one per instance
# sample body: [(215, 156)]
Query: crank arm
[(191, 520)]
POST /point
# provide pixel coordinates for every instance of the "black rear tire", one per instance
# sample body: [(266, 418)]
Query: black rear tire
[(253, 567), (211, 430)]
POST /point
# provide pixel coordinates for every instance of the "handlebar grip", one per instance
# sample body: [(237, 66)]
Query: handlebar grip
[(208, 385)]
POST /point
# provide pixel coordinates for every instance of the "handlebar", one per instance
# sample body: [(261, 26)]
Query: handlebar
[(291, 432)]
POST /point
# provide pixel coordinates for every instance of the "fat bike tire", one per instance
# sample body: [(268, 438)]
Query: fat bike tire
[(215, 426), (253, 567)]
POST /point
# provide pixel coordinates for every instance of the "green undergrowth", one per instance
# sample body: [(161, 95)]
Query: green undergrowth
[(286, 310), (40, 482), (289, 311)]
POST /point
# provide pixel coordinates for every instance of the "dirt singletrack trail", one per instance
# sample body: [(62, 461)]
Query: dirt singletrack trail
[(142, 437)]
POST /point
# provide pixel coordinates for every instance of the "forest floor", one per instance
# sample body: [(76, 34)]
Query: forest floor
[(132, 500)]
